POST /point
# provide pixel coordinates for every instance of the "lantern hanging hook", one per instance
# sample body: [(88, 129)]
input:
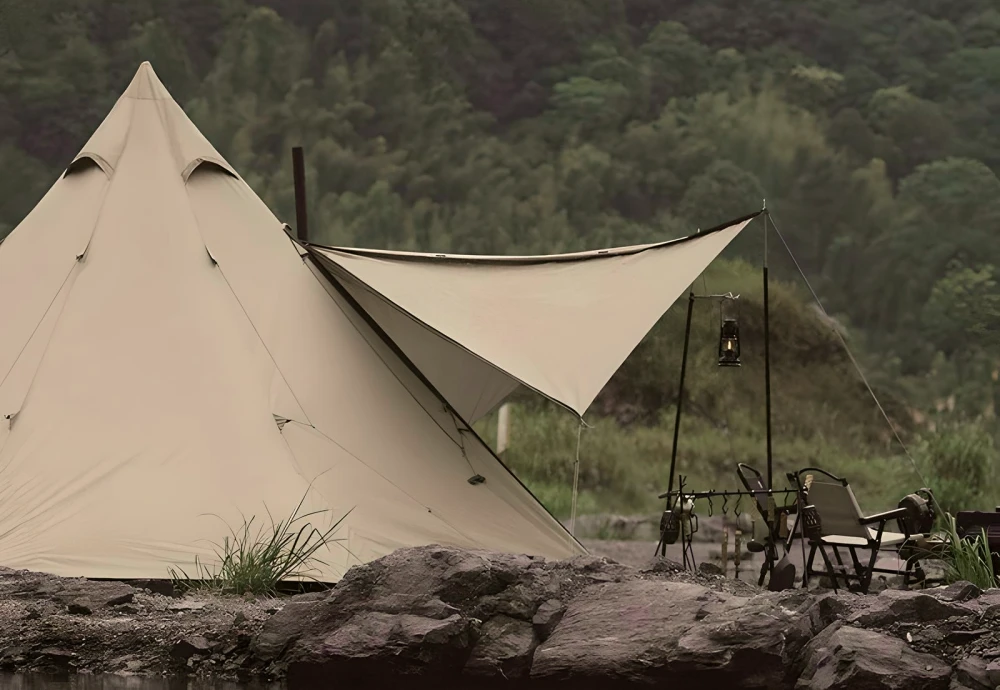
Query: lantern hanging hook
[(711, 506)]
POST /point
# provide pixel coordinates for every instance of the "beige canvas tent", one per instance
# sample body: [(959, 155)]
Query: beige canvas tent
[(171, 362)]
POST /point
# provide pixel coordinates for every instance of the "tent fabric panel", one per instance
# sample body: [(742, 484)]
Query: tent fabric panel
[(147, 427), (38, 260), (471, 385), (561, 328), (355, 391)]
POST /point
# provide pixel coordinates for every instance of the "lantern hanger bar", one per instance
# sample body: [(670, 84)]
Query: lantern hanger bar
[(712, 494)]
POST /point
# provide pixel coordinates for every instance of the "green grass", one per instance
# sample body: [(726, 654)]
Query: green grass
[(968, 560), (624, 468), (256, 559)]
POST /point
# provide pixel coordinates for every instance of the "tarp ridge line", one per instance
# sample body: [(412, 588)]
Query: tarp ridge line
[(607, 253)]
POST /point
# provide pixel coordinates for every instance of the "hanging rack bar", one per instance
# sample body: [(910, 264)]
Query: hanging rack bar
[(696, 495)]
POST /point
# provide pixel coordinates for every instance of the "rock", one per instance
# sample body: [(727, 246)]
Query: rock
[(547, 618), (993, 672), (894, 606), (663, 565), (54, 660), (89, 594), (960, 591), (310, 596), (79, 608), (709, 568), (188, 647), (162, 587), (183, 606), (844, 657), (960, 637), (667, 632), (971, 672), (830, 607), (240, 618), (929, 635), (504, 649), (375, 649)]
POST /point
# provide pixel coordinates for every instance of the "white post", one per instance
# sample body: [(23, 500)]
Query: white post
[(503, 428)]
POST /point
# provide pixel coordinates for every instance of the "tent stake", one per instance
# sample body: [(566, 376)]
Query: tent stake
[(299, 173)]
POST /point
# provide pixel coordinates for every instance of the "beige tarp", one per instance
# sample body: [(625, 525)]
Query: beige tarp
[(171, 361), (561, 325)]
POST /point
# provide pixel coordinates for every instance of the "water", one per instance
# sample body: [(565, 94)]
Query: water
[(39, 682)]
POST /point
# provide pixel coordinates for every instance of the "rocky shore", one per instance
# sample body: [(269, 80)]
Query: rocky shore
[(422, 617)]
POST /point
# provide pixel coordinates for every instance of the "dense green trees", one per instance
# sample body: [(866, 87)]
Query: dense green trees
[(547, 125)]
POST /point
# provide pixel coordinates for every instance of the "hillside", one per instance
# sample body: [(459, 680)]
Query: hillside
[(549, 125)]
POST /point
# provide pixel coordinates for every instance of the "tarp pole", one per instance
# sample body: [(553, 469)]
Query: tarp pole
[(503, 428), (299, 174), (767, 362), (680, 396)]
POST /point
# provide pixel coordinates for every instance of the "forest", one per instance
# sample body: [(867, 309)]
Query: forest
[(871, 128)]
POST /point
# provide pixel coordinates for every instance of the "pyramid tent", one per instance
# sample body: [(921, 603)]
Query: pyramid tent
[(172, 362)]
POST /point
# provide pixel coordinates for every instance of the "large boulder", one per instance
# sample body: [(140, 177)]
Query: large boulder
[(647, 631), (429, 612), (844, 657), (898, 606)]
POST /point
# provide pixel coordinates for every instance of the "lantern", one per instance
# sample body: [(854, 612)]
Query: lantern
[(729, 336)]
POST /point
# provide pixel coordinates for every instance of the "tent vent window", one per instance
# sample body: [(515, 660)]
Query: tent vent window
[(281, 422)]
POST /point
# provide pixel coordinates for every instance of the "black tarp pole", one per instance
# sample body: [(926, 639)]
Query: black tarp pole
[(680, 395), (299, 173), (767, 362)]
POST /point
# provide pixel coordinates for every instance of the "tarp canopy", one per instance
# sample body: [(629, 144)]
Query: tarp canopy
[(478, 326), (172, 363)]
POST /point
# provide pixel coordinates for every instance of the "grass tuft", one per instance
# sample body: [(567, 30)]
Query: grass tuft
[(256, 559), (969, 559)]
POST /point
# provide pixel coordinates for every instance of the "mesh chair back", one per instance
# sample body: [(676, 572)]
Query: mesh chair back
[(838, 509)]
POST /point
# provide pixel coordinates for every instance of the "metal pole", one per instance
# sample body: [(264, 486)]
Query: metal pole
[(680, 394), (299, 174), (767, 362)]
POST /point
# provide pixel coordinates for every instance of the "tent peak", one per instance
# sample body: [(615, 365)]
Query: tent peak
[(146, 85), (146, 110)]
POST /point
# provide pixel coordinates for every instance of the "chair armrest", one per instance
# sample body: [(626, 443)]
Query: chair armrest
[(884, 517)]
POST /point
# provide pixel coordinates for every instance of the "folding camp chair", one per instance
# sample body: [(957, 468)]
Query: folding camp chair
[(844, 526), (753, 481)]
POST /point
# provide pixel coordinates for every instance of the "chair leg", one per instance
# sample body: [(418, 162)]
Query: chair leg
[(867, 581), (829, 567), (840, 562), (807, 570)]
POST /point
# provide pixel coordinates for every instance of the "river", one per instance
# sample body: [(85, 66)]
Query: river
[(81, 682)]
